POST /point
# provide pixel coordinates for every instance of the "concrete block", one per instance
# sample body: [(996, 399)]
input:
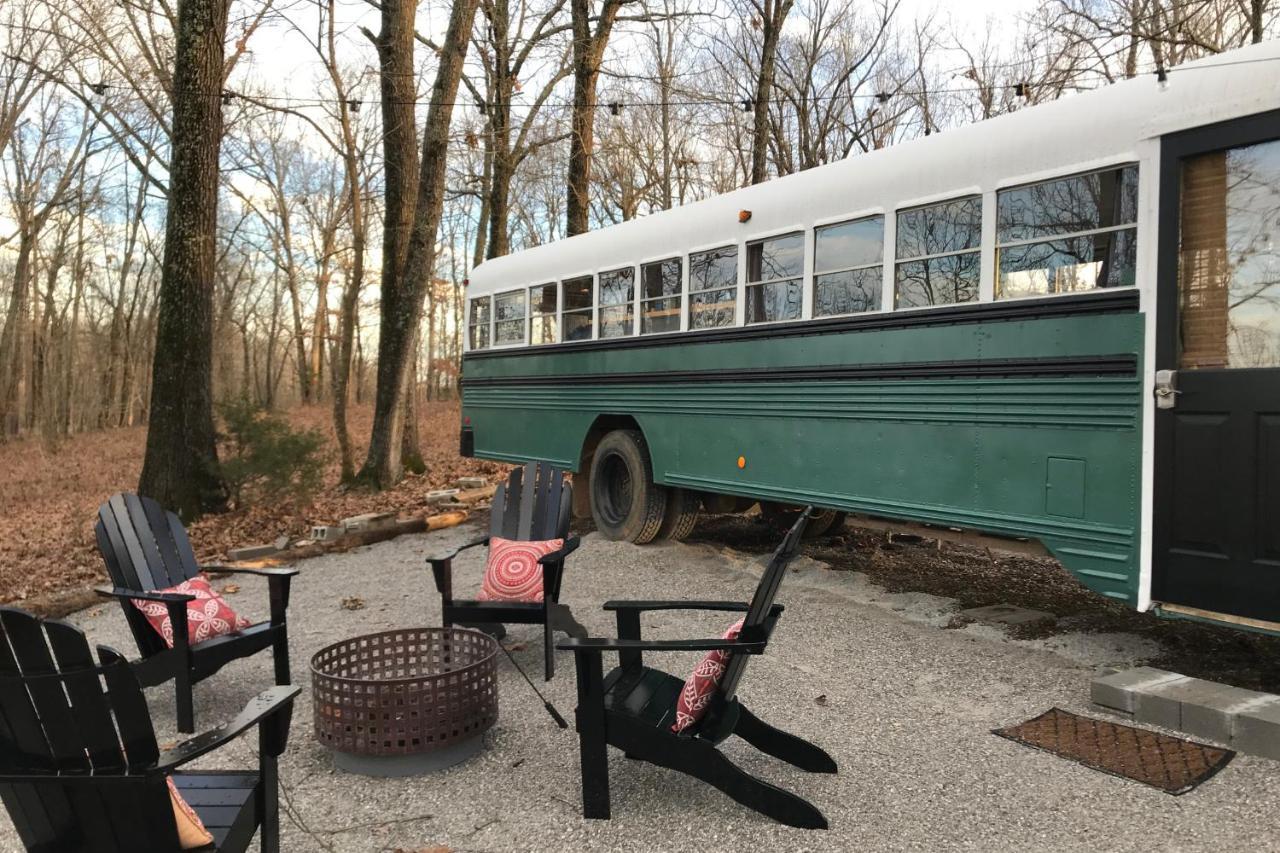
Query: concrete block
[(1256, 729), (1118, 690), (251, 552), (1007, 614), (471, 483), (440, 496), (1154, 705), (1209, 710), (368, 521), (327, 532)]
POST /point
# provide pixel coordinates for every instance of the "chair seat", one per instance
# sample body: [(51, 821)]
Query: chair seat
[(226, 804), (643, 694)]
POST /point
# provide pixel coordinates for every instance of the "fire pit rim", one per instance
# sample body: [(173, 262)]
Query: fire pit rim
[(412, 678)]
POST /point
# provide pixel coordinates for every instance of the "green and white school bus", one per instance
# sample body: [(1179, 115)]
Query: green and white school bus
[(1060, 326)]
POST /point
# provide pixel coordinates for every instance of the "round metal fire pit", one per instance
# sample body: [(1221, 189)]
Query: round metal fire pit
[(402, 702)]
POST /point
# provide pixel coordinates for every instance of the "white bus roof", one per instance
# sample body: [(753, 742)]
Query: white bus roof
[(1074, 133)]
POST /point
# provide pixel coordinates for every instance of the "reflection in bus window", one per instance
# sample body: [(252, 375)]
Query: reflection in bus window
[(1229, 259), (508, 311), (713, 288), (542, 314), (848, 267), (617, 303), (660, 297), (774, 273), (938, 253), (479, 323), (1092, 219), (577, 308)]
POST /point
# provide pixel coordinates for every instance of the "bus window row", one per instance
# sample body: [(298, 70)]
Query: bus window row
[(1063, 235)]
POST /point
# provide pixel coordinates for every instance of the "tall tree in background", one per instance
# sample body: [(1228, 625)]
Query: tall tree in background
[(398, 81), (771, 15), (402, 299), (180, 466), (588, 53)]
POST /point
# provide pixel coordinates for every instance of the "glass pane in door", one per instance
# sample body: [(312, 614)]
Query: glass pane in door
[(1229, 259)]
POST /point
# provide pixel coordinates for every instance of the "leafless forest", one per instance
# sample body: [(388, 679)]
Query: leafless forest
[(569, 115)]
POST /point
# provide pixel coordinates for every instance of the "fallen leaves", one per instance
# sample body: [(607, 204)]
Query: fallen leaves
[(437, 848), (352, 603), (230, 589), (50, 498)]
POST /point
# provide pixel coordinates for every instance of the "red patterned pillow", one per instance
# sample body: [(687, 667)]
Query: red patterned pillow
[(695, 696), (513, 572), (192, 834), (208, 616)]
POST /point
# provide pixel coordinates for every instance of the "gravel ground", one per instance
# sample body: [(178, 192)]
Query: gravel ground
[(907, 714)]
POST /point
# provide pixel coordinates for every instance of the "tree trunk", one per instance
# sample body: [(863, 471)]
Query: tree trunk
[(588, 51), (402, 303), (399, 146), (11, 349), (773, 14), (180, 469)]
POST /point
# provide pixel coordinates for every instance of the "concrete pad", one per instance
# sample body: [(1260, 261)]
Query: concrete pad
[(907, 715), (1008, 614)]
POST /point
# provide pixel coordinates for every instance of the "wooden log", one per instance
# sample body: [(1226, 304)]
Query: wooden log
[(358, 538)]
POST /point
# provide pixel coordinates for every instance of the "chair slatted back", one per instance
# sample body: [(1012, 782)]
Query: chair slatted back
[(145, 548), (533, 505), (757, 620), (80, 735)]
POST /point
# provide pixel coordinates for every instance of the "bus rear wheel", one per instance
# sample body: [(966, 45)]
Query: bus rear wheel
[(626, 504), (681, 515)]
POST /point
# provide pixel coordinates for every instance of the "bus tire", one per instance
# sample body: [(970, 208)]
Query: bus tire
[(681, 515), (782, 516), (626, 504)]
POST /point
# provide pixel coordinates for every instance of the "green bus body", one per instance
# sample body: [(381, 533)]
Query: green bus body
[(1023, 426)]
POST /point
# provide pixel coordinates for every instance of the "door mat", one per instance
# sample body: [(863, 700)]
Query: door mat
[(1171, 764)]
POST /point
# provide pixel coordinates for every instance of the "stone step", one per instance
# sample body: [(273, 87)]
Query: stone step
[(1246, 720)]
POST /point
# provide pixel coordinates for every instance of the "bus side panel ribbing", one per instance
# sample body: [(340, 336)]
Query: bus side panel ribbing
[(1027, 427)]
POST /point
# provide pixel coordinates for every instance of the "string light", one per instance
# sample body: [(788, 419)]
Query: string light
[(615, 108), (1162, 78), (227, 97), (1022, 90), (353, 105)]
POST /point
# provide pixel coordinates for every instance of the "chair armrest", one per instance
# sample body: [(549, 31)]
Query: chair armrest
[(456, 551), (266, 572), (263, 706), (570, 545), (732, 606), (143, 595), (603, 644)]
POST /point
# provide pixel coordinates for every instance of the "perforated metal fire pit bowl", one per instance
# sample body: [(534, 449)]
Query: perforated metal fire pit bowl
[(402, 702)]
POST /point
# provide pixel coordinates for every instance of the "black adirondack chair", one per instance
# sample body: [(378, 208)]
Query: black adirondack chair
[(533, 505), (146, 549), (80, 769), (633, 707)]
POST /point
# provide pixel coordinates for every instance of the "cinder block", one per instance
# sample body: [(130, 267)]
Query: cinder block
[(1118, 690), (471, 483), (368, 521), (1155, 705), (440, 496), (1208, 709), (327, 532), (251, 552), (1256, 730)]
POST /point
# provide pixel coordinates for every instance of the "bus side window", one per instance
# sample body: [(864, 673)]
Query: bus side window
[(848, 263), (938, 253), (660, 297), (713, 288), (542, 314), (577, 308), (478, 323), (617, 303), (1068, 234), (508, 309), (775, 270)]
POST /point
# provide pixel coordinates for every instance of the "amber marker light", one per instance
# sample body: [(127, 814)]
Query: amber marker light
[(467, 421), (742, 462), (744, 216)]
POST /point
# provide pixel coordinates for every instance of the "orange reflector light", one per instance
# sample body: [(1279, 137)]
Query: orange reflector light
[(742, 462), (467, 421)]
